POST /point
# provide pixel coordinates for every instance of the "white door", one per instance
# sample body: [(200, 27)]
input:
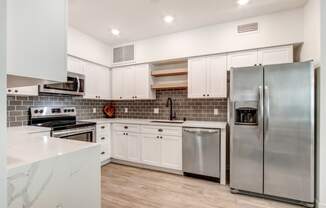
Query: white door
[(120, 146), (276, 55), (141, 81), (128, 83), (91, 81), (172, 152), (197, 77), (134, 147), (216, 76), (75, 65), (117, 83), (151, 150), (243, 59)]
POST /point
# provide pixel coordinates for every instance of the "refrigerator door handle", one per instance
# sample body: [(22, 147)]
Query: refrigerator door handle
[(260, 113), (267, 110)]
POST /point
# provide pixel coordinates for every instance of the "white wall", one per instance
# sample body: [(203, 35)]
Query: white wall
[(275, 29), (86, 47), (321, 180), (3, 104), (311, 47)]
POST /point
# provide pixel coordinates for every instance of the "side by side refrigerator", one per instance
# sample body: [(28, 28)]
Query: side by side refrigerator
[(272, 131)]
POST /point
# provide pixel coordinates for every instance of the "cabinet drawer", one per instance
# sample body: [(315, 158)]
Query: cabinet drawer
[(126, 127), (103, 129), (173, 131), (102, 138), (104, 152)]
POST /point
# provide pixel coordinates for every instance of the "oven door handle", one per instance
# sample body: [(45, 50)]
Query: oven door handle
[(70, 132)]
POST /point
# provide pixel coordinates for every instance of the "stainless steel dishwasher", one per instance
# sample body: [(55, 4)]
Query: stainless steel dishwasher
[(201, 151)]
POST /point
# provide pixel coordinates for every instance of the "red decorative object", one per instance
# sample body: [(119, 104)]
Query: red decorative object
[(109, 110)]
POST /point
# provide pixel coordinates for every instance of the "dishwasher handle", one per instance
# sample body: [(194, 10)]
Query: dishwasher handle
[(209, 131)]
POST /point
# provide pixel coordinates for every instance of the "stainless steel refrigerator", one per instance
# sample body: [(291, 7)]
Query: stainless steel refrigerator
[(272, 114)]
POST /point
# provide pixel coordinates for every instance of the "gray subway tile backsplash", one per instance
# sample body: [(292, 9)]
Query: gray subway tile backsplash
[(191, 109)]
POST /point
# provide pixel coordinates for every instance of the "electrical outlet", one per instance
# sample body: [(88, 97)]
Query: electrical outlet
[(216, 112), (156, 110), (94, 110), (126, 110)]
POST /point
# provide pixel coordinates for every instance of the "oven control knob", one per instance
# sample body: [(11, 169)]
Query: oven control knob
[(72, 110), (35, 111), (41, 111), (65, 110)]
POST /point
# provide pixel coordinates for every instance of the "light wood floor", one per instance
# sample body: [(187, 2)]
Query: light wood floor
[(128, 187)]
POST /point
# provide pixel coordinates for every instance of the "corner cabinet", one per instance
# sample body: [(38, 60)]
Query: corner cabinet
[(132, 83), (36, 41), (207, 77), (97, 82)]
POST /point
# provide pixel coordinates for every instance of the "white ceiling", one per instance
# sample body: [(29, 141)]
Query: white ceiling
[(140, 19)]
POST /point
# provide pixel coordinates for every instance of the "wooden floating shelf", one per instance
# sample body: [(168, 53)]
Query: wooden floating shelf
[(170, 85), (169, 72)]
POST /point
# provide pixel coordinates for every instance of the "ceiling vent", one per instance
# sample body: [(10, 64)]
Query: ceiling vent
[(248, 28), (123, 53)]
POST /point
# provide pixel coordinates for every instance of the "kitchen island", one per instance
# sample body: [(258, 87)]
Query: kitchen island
[(51, 172)]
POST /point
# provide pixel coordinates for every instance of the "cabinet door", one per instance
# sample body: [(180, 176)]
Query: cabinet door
[(37, 39), (142, 81), (128, 83), (172, 152), (134, 147), (120, 146), (216, 76), (151, 150), (75, 65), (243, 59), (23, 91), (276, 55), (91, 81), (117, 84), (103, 82), (197, 77)]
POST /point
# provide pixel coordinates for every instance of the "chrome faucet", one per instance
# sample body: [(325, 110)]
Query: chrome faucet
[(169, 102)]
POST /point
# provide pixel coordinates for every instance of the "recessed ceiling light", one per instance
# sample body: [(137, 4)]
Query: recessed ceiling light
[(168, 19), (115, 32), (243, 2)]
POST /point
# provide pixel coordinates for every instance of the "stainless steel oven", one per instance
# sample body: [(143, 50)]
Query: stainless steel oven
[(75, 85), (85, 134)]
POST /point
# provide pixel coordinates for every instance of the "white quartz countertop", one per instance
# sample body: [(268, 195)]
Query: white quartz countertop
[(195, 124), (27, 130), (25, 148)]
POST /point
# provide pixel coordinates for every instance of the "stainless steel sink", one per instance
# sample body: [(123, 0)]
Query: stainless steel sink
[(168, 121)]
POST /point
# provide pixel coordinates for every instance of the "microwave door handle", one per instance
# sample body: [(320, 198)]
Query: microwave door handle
[(78, 84)]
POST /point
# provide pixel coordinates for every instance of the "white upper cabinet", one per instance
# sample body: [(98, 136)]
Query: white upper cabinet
[(197, 77), (97, 82), (36, 40), (207, 77), (276, 55), (242, 59), (132, 82), (75, 65), (266, 56), (23, 91)]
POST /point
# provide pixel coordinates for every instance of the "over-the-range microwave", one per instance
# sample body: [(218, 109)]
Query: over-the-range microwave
[(75, 85)]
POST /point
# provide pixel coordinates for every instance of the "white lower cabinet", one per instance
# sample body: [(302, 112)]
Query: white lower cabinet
[(151, 150), (151, 145), (120, 146), (171, 152), (134, 147), (103, 137)]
